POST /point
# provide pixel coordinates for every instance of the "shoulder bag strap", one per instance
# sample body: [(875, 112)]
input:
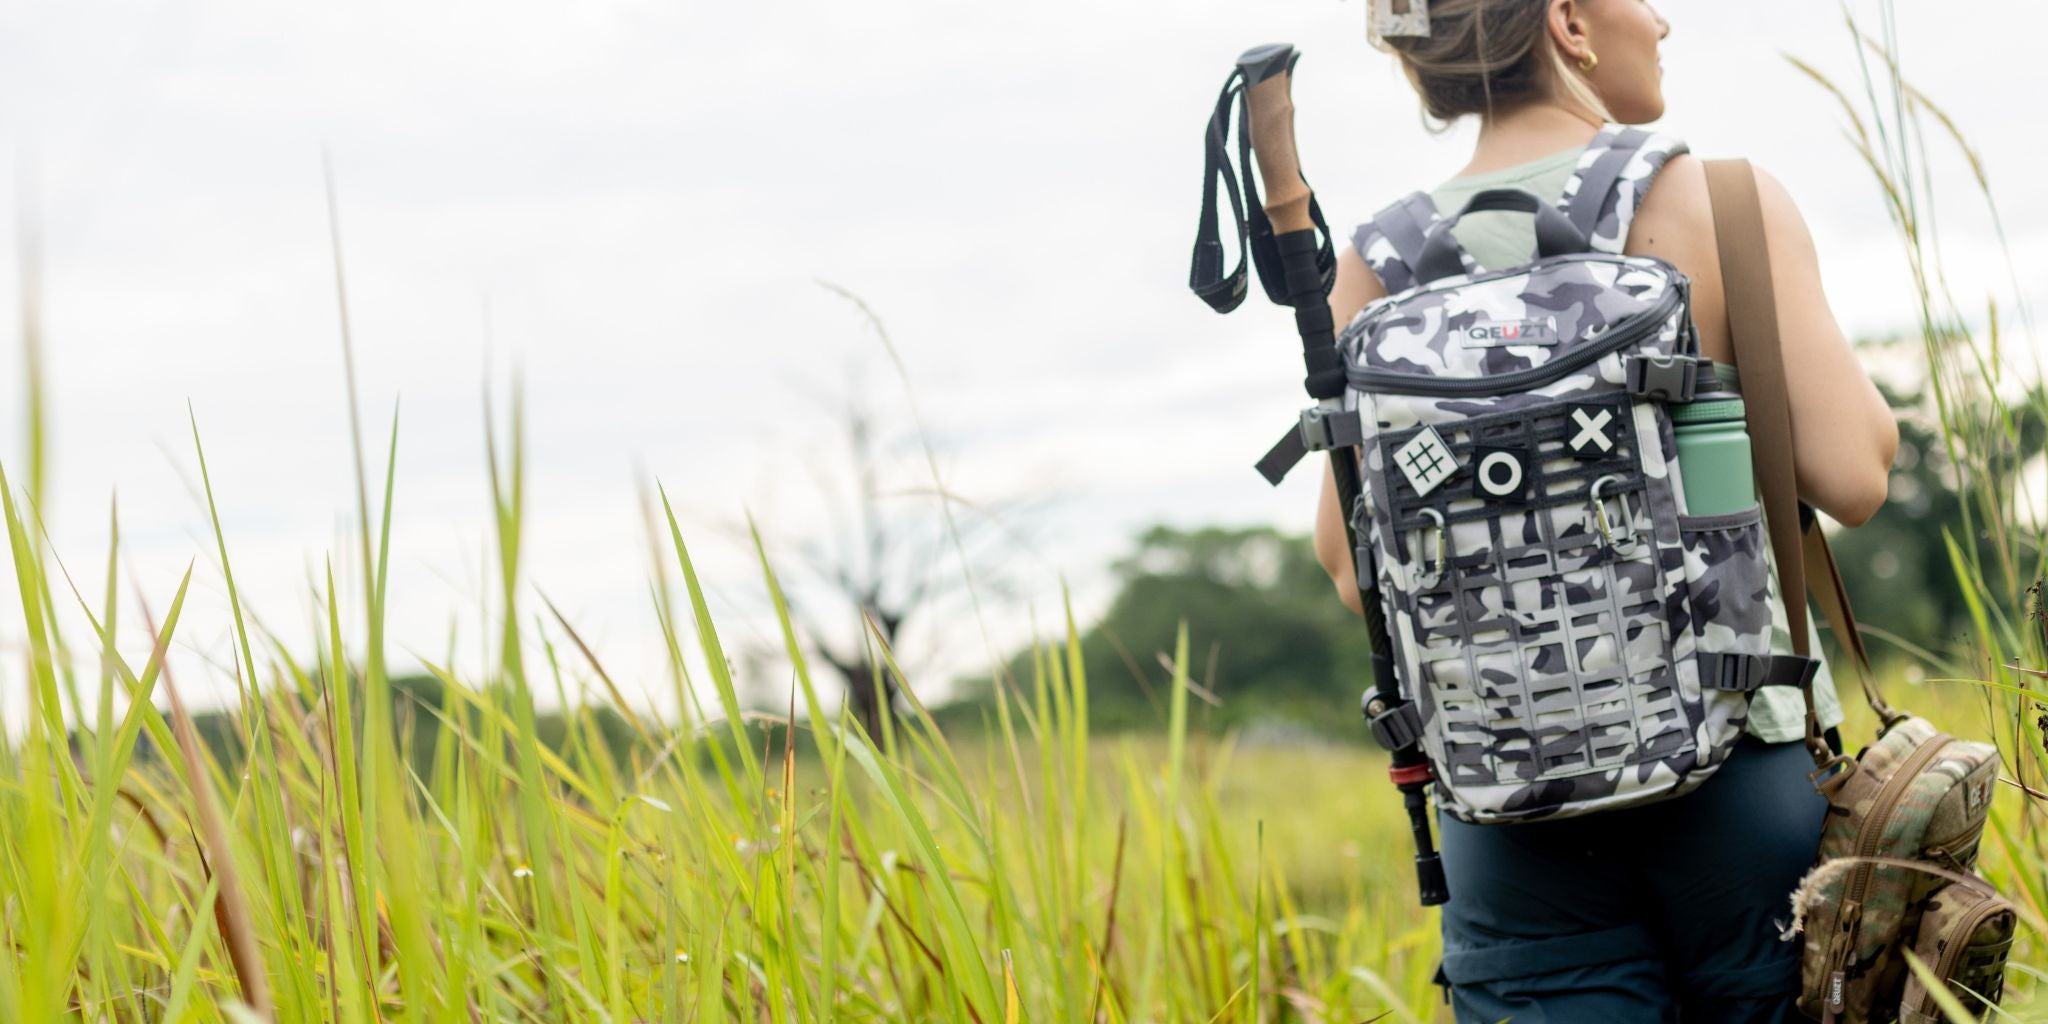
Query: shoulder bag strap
[(1802, 555)]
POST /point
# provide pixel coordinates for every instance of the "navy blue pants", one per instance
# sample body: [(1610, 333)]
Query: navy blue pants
[(1665, 912)]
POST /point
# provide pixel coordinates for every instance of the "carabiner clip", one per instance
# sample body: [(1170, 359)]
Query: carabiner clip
[(1430, 576), (1600, 520)]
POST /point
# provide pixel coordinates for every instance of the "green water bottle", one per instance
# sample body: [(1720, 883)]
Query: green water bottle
[(1713, 454)]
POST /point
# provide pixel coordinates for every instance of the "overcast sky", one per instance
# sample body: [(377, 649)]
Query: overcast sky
[(632, 204)]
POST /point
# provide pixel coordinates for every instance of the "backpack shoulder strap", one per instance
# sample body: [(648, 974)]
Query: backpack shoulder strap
[(1613, 175), (1391, 242), (1601, 197)]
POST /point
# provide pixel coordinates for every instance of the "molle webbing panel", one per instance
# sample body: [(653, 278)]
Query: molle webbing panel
[(1516, 645)]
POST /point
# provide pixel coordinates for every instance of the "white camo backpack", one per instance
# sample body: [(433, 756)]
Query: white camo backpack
[(1565, 636)]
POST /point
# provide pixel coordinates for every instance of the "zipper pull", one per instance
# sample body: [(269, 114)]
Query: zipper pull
[(1365, 560), (1838, 981), (1692, 328)]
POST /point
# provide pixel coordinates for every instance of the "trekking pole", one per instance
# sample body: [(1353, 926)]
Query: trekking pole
[(1267, 75)]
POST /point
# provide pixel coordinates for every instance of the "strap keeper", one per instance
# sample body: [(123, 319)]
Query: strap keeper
[(1395, 727), (1662, 378)]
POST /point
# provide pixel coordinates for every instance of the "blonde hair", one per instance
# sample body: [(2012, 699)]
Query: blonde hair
[(1483, 55)]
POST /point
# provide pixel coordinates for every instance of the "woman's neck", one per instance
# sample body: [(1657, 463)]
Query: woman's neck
[(1527, 133)]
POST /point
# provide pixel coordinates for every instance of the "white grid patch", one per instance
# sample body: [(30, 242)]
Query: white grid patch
[(1426, 461)]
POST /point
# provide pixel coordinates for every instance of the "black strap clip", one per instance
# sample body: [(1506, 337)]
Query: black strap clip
[(1663, 378), (1737, 673), (1319, 431)]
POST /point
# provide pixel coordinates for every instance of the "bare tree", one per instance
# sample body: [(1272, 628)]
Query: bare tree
[(891, 548)]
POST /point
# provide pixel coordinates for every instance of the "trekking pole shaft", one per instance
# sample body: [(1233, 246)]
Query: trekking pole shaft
[(1268, 83), (1429, 868)]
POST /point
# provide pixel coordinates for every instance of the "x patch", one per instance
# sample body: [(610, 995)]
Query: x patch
[(1592, 430)]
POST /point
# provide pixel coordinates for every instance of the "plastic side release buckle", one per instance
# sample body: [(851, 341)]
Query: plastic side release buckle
[(1662, 378), (1319, 430), (1738, 673)]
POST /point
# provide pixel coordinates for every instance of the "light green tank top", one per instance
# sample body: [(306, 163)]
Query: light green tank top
[(1499, 239)]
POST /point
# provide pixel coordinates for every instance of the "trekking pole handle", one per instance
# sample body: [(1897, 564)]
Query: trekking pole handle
[(1269, 86)]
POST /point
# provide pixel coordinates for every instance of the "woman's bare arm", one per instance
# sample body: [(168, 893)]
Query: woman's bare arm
[(1844, 435), (1356, 285)]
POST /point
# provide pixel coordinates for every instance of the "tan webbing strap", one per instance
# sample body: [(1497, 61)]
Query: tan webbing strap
[(1753, 328), (1751, 301), (1833, 597)]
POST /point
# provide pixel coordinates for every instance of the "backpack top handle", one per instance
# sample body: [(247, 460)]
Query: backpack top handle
[(1556, 235)]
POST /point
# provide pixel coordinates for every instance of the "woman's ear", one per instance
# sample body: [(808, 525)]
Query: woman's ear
[(1567, 26)]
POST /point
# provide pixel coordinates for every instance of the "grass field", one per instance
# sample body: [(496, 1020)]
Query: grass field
[(1035, 873)]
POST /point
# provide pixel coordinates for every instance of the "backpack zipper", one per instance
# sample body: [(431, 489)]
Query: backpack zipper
[(1645, 324), (1867, 840)]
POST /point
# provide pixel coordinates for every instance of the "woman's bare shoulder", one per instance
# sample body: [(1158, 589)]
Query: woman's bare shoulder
[(1677, 219), (1674, 220), (1676, 223)]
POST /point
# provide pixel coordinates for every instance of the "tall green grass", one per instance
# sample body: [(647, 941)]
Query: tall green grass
[(1987, 397), (722, 871)]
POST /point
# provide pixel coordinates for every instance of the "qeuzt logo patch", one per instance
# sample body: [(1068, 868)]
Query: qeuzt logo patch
[(1489, 333)]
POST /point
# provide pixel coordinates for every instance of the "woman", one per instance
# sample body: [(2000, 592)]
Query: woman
[(1669, 910)]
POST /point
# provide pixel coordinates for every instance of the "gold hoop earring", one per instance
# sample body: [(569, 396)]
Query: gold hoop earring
[(1590, 61)]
